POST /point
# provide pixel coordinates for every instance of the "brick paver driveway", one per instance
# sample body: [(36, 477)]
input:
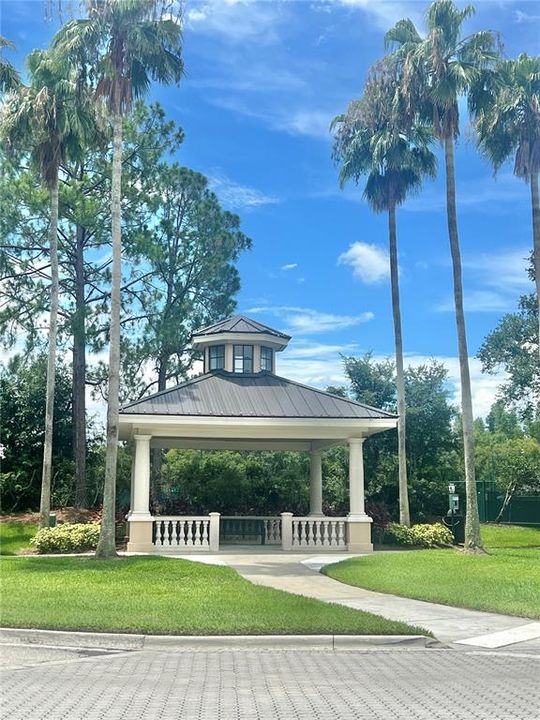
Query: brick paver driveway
[(377, 684)]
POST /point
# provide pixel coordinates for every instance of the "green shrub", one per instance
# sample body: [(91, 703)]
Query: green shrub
[(430, 536), (422, 535), (67, 538), (396, 534)]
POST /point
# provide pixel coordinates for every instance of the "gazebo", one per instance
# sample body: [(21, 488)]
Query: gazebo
[(239, 403)]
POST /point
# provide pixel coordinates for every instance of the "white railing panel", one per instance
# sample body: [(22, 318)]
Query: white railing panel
[(182, 532), (317, 532)]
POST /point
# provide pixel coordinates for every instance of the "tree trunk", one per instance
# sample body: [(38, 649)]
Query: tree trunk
[(106, 545), (473, 541), (79, 375), (536, 243), (158, 453), (45, 502), (404, 514)]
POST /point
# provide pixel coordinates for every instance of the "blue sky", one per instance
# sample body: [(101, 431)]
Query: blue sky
[(263, 81)]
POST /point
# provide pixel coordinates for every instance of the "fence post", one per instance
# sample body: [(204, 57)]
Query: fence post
[(286, 531), (213, 535)]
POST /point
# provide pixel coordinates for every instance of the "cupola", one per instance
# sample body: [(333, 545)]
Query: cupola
[(239, 345)]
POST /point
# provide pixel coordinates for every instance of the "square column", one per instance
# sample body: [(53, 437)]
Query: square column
[(139, 518), (358, 522), (315, 483)]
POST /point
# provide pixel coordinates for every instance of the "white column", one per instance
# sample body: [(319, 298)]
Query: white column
[(357, 508), (214, 531), (141, 479), (315, 483), (286, 530)]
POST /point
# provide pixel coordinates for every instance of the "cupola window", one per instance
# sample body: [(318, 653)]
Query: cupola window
[(217, 357), (267, 359), (243, 358)]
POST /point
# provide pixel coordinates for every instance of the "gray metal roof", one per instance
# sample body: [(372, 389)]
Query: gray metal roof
[(239, 324), (264, 395)]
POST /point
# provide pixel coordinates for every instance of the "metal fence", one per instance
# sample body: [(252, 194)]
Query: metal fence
[(522, 509)]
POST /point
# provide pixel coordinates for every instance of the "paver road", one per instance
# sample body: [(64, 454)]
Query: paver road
[(431, 684)]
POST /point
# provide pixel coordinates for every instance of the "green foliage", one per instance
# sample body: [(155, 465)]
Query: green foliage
[(431, 535), (432, 447), (396, 534), (22, 388), (66, 538), (507, 117), (231, 483), (187, 250), (513, 462), (513, 347)]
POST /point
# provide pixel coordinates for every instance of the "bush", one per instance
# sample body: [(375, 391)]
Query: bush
[(396, 534), (66, 538), (428, 536)]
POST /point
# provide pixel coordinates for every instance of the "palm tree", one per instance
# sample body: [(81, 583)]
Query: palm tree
[(437, 70), (507, 114), (123, 44), (9, 77), (50, 120), (371, 141)]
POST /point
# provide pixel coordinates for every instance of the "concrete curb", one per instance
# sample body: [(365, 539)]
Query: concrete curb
[(126, 641)]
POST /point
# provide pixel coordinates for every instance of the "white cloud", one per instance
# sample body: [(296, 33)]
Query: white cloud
[(479, 301), (280, 115), (239, 197), (369, 263), (289, 266), (523, 17), (305, 321), (235, 21), (505, 269), (499, 279), (386, 13)]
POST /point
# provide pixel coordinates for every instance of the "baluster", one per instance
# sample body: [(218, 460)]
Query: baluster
[(341, 533), (201, 533), (328, 534), (161, 532)]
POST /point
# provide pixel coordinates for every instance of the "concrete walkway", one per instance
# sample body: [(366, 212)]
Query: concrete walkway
[(298, 573)]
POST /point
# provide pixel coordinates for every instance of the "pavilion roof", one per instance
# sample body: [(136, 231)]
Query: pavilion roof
[(259, 395)]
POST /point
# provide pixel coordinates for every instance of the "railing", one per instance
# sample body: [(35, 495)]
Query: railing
[(190, 533), (313, 532), (261, 529), (182, 533)]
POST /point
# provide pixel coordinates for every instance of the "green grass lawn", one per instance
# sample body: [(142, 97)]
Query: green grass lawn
[(15, 536), (165, 595), (507, 580)]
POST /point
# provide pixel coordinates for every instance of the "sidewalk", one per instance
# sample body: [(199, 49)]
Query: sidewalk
[(298, 573)]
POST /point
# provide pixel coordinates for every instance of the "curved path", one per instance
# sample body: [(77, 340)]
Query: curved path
[(298, 573)]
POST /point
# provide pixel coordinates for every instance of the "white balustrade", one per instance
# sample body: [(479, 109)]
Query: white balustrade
[(321, 533), (184, 533)]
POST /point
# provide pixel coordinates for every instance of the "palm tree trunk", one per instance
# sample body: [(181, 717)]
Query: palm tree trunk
[(535, 201), (45, 501), (106, 545), (79, 375), (404, 514), (473, 541)]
